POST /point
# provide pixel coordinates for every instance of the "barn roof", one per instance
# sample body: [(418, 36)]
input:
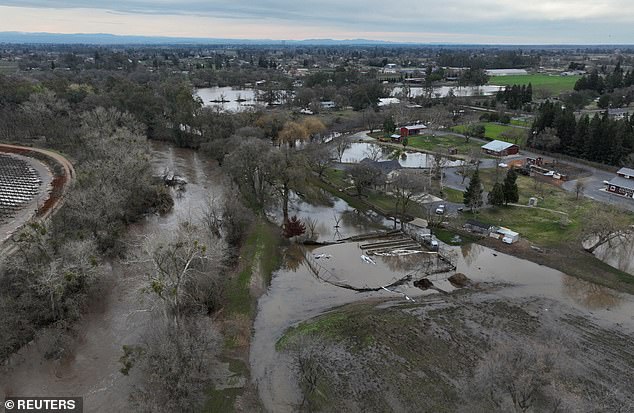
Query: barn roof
[(415, 127), (625, 171), (497, 146), (622, 182)]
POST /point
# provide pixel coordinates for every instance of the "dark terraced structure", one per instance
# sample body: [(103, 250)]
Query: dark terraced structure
[(19, 184)]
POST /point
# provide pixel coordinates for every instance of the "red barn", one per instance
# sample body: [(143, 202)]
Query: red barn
[(412, 130), (500, 148)]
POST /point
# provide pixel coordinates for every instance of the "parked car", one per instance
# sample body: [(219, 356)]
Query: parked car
[(440, 209)]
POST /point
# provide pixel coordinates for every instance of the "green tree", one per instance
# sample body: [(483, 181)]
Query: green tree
[(473, 194), (511, 193), (496, 196), (388, 125)]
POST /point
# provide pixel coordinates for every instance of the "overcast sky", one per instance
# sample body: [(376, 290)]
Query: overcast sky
[(445, 21)]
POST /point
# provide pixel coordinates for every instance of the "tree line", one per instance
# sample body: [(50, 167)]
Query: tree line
[(598, 138)]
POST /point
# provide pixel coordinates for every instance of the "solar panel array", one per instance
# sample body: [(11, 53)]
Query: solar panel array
[(19, 184)]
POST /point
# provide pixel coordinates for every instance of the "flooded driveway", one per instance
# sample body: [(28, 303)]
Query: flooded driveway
[(119, 316)]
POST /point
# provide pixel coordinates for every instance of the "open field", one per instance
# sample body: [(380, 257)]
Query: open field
[(438, 143), (556, 220), (497, 130), (423, 356), (442, 144), (554, 225), (554, 84)]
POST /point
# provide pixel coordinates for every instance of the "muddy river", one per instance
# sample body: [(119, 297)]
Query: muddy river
[(119, 317)]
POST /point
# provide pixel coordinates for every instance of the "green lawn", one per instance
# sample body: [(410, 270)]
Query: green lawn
[(442, 144), (537, 225), (496, 131), (259, 253), (554, 84), (453, 195)]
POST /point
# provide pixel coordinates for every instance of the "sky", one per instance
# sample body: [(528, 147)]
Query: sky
[(419, 21)]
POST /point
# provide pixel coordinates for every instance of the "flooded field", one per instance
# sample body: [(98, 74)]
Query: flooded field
[(619, 253), (335, 219), (227, 98), (444, 91), (120, 316), (297, 295), (361, 150)]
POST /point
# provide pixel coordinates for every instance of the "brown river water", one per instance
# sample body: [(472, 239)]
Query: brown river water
[(123, 313), (119, 317)]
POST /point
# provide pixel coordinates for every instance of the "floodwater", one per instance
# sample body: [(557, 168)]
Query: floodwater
[(444, 91), (227, 98), (618, 253), (361, 150), (120, 316), (297, 295), (334, 218)]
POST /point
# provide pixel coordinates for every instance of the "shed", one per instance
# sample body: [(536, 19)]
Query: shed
[(412, 130), (621, 186), (506, 235), (477, 227), (500, 148)]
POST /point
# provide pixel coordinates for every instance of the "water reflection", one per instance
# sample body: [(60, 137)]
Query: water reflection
[(444, 91), (618, 253), (589, 295), (361, 150), (227, 98)]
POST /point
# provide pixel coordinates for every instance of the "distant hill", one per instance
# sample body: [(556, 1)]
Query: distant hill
[(111, 39)]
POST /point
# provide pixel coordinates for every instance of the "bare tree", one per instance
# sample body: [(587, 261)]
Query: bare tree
[(184, 269), (365, 176), (405, 186), (374, 152), (319, 158), (580, 187), (439, 162), (307, 355), (604, 225), (175, 364), (341, 145), (522, 376)]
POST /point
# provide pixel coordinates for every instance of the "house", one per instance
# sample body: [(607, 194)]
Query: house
[(477, 227), (395, 137), (506, 235), (412, 130), (500, 148), (622, 184), (387, 167), (328, 104), (618, 113)]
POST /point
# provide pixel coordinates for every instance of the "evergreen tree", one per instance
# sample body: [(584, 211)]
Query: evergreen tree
[(473, 195), (511, 193), (496, 196)]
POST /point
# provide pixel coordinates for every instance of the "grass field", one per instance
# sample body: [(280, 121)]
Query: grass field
[(496, 131), (442, 144), (547, 228), (554, 84)]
